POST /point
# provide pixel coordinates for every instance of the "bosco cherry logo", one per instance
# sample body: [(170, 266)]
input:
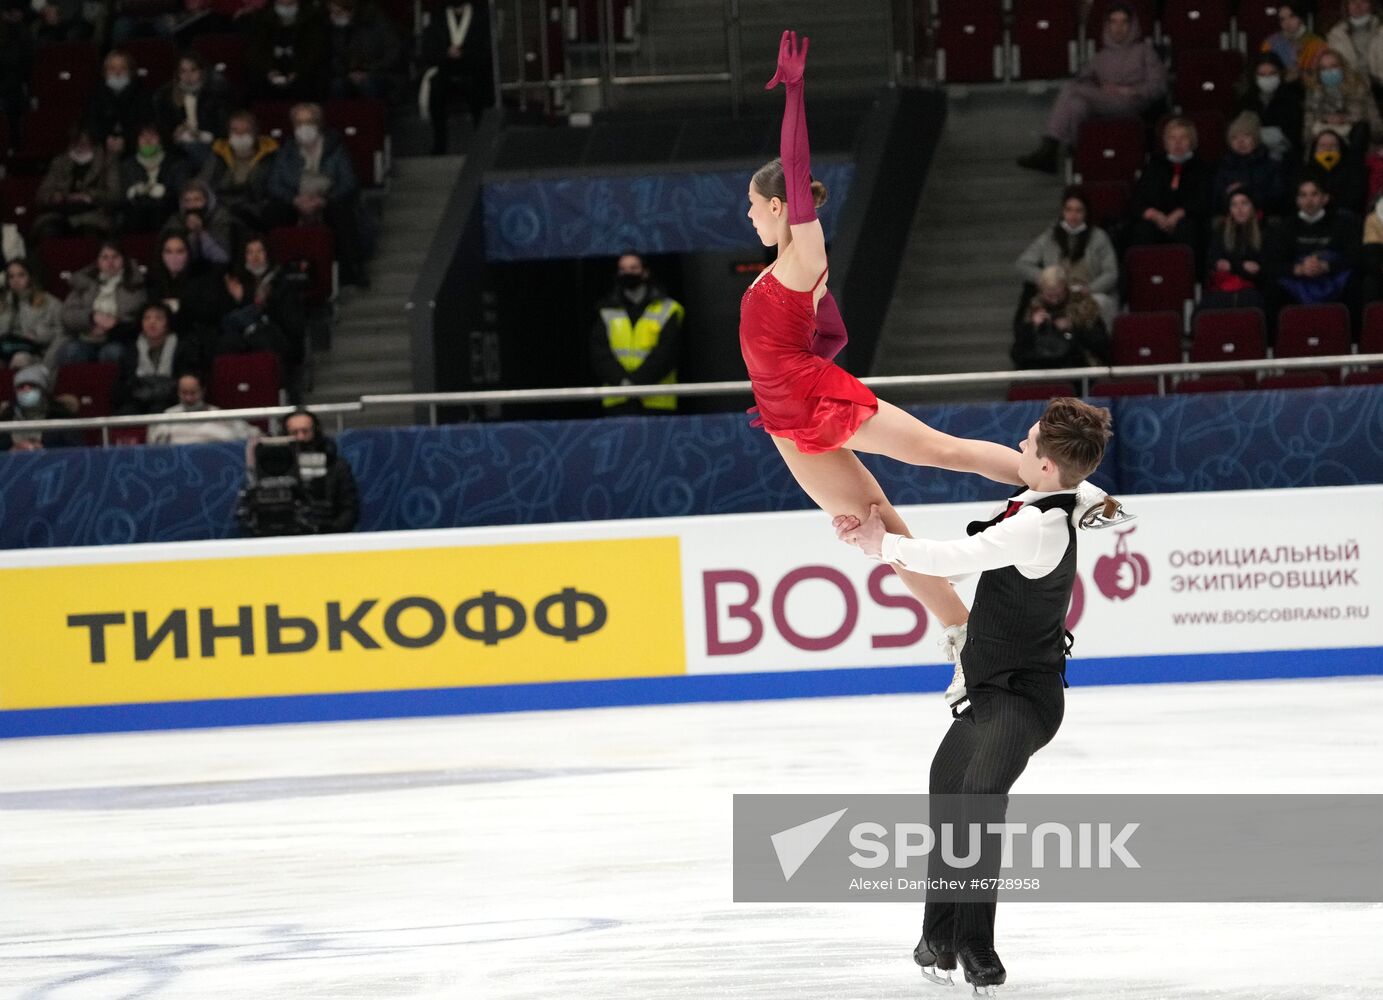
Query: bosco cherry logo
[(1119, 576)]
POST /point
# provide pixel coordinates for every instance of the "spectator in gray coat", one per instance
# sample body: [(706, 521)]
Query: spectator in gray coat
[(1085, 251), (79, 191)]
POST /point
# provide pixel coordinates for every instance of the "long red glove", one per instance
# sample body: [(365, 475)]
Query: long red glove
[(793, 148), (830, 336)]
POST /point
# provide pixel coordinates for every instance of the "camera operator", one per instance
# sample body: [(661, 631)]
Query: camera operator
[(1061, 327), (298, 485)]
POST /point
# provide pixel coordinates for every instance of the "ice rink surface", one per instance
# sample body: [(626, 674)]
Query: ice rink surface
[(586, 854)]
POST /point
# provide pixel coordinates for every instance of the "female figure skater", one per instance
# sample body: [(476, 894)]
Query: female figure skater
[(819, 414)]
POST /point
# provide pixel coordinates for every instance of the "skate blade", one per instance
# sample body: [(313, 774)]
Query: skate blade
[(1108, 513), (985, 991), (940, 978)]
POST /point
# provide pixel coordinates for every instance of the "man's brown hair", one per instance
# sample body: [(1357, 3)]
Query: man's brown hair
[(1073, 434)]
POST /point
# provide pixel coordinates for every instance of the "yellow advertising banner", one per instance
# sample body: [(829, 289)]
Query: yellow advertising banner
[(257, 626)]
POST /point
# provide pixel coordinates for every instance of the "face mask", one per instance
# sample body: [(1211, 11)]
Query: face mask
[(1269, 84), (29, 398), (630, 282), (242, 145), (306, 134), (1332, 77), (287, 14), (258, 270), (341, 20), (81, 156), (1311, 219), (1360, 22), (149, 151), (1073, 230), (1180, 157), (118, 81), (1328, 158)]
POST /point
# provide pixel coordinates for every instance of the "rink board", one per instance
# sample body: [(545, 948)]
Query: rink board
[(1202, 587)]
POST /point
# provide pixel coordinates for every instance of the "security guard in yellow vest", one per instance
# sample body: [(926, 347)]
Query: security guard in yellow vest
[(635, 339)]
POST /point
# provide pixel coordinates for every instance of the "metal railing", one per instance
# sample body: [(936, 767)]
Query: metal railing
[(433, 400)]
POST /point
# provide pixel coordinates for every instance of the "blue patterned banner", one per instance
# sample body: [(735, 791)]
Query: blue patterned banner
[(631, 467), (546, 219)]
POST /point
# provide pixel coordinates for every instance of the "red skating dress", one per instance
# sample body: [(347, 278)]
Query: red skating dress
[(811, 401)]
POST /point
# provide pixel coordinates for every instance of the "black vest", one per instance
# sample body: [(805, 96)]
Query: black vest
[(1017, 624)]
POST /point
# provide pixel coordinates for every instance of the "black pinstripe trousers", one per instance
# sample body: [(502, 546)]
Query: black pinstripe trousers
[(983, 753)]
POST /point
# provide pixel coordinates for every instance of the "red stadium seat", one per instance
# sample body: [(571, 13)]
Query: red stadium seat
[(59, 256), (244, 381), (1210, 134), (1109, 149), (1206, 79), (45, 136), (226, 55), (1257, 19), (1228, 335), (315, 245), (90, 384), (1211, 383), (1371, 338), (1160, 278), (274, 118), (6, 387), (1044, 40), (1022, 392), (1295, 380), (1108, 201), (1152, 338), (128, 435), (1312, 331), (142, 248), (155, 59), (1196, 24), (18, 194), (1372, 376), (64, 75), (1125, 387), (364, 124), (969, 41)]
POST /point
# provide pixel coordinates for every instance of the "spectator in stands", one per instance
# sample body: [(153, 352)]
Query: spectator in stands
[(144, 19), (287, 58), (1295, 46), (192, 399), (190, 288), (267, 311), (1371, 256), (102, 308), (192, 109), (365, 50), (30, 318), (237, 171), (312, 181), (1279, 104), (16, 68), (78, 192), (120, 105), (636, 338), (1236, 257), (69, 21), (150, 179), (1061, 327), (1340, 99), (32, 401), (1354, 35), (212, 233), (1247, 166), (456, 60), (326, 500), (1171, 200), (149, 373), (1317, 250), (1125, 77), (1338, 170), (1085, 251)]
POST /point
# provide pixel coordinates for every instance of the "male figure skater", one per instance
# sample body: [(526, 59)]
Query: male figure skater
[(1015, 653)]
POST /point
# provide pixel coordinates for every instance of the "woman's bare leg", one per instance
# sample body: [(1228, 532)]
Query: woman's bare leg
[(901, 436), (838, 483)]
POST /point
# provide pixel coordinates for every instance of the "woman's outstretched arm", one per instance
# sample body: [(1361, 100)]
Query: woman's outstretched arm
[(808, 240)]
